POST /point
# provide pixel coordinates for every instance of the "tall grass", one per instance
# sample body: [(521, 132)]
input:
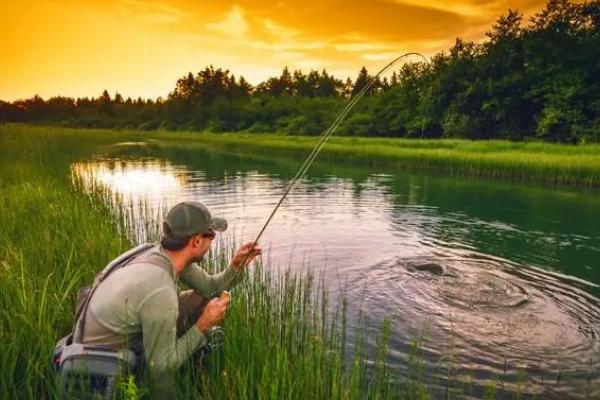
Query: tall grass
[(52, 240)]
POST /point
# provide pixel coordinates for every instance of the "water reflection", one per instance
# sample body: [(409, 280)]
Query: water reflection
[(421, 250), (489, 317), (144, 188)]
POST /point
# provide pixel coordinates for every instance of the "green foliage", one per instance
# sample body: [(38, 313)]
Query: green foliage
[(359, 124), (490, 393), (534, 80), (129, 388)]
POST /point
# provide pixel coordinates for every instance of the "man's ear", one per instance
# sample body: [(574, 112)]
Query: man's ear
[(196, 240)]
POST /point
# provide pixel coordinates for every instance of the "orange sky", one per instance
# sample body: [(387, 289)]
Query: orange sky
[(140, 48)]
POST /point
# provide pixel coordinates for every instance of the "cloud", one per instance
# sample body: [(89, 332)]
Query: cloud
[(380, 56), (159, 18), (234, 24), (370, 26), (277, 30), (459, 7), (360, 46), (154, 13), (331, 33)]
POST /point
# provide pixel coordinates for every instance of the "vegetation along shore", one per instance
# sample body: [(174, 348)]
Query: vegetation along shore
[(537, 162)]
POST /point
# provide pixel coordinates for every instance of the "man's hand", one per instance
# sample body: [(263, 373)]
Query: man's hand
[(244, 256), (213, 313)]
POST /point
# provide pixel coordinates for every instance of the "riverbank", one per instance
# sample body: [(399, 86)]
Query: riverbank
[(554, 164), (281, 341), (535, 162)]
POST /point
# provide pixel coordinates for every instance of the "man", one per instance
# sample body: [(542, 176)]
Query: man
[(139, 306)]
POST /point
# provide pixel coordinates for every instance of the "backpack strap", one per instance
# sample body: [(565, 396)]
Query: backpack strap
[(154, 258), (115, 264)]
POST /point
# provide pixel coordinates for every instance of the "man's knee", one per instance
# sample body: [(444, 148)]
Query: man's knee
[(191, 305)]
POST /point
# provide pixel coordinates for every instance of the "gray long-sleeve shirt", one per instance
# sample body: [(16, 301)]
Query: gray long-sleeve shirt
[(137, 307)]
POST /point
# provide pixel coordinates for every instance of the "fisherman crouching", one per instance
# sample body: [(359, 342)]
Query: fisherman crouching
[(135, 303)]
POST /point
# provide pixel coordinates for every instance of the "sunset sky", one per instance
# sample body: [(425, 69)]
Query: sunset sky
[(140, 48)]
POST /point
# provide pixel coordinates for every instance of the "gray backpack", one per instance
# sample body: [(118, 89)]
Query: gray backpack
[(91, 370)]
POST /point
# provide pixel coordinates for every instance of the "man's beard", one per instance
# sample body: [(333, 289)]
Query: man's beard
[(198, 260)]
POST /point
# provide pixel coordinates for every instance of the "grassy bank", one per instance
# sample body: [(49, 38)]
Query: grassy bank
[(54, 238), (554, 164)]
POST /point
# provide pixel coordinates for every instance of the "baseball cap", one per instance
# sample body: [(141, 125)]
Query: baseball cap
[(192, 217)]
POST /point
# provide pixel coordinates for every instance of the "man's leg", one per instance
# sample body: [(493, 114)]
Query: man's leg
[(191, 305)]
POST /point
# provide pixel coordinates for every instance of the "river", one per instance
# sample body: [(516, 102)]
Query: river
[(499, 281)]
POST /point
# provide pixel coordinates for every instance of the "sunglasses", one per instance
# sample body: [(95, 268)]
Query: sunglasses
[(210, 234)]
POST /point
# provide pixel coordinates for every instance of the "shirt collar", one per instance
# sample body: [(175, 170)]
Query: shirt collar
[(163, 253)]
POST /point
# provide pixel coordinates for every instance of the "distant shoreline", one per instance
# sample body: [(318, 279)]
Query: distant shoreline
[(552, 164)]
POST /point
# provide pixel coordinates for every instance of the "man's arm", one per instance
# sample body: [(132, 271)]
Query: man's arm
[(162, 349), (207, 285)]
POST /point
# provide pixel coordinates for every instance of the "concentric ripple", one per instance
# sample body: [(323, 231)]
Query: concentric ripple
[(473, 289), (496, 312)]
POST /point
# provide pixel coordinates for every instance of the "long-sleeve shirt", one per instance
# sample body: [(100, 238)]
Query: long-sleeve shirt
[(137, 307)]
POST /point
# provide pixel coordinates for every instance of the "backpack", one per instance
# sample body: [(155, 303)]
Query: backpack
[(83, 369)]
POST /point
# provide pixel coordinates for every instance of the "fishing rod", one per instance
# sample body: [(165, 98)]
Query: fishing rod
[(323, 139), (216, 334)]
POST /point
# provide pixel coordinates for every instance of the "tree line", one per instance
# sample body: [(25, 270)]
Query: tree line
[(538, 79)]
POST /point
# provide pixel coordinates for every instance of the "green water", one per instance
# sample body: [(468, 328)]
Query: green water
[(507, 273)]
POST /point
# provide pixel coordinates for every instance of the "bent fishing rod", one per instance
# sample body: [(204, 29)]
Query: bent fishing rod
[(216, 334), (323, 139)]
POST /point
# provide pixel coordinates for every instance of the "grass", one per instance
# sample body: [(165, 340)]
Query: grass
[(52, 240)]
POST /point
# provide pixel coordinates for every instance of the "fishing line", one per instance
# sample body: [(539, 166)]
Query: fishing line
[(323, 139)]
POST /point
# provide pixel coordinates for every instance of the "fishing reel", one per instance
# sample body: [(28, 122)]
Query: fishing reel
[(215, 338)]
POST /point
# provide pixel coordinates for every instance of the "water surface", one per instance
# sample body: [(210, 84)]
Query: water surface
[(499, 281)]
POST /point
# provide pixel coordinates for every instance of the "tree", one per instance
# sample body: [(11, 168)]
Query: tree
[(277, 86), (361, 81), (104, 98)]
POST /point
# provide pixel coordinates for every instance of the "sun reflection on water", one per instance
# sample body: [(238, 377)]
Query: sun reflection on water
[(137, 186)]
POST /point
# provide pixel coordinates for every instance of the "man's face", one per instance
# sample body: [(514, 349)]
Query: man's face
[(200, 245)]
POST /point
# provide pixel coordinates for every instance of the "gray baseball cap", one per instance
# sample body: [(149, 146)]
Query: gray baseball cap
[(192, 217)]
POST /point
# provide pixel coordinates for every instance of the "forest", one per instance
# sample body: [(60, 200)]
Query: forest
[(534, 79)]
